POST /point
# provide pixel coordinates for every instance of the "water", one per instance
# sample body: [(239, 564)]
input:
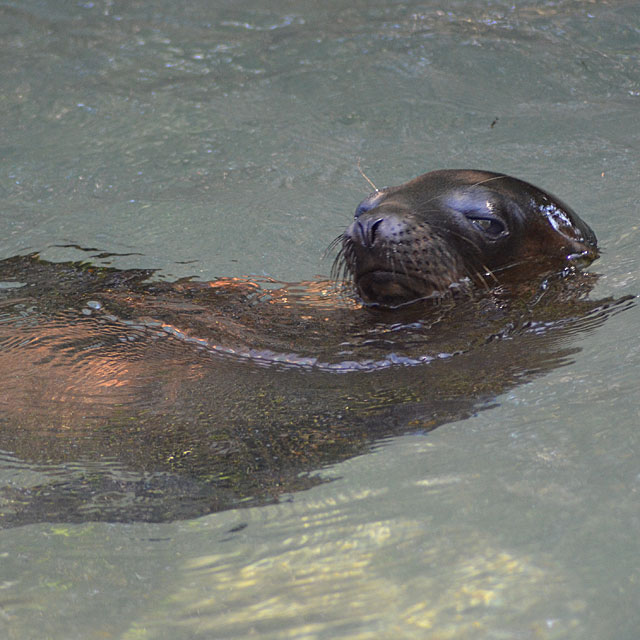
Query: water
[(223, 141)]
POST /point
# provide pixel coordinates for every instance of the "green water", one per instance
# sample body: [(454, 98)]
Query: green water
[(223, 139)]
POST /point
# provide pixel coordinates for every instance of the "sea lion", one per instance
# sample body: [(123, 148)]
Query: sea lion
[(445, 230), (136, 399)]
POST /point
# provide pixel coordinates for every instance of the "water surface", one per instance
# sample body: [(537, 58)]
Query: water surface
[(224, 140)]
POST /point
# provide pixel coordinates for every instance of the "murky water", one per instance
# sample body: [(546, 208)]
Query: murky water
[(213, 139)]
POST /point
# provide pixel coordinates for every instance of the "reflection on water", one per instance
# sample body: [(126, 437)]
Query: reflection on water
[(345, 565), (362, 560), (160, 401)]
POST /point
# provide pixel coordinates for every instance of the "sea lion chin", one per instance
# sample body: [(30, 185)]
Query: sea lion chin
[(454, 229)]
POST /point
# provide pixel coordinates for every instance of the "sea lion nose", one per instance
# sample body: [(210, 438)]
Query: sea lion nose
[(369, 230), (364, 232)]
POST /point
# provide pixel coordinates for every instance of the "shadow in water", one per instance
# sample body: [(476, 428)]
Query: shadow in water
[(128, 400)]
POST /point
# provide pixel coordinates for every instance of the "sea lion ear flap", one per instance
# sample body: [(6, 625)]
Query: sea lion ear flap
[(582, 253), (577, 236)]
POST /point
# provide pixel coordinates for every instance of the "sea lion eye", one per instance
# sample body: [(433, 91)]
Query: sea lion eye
[(491, 227), (480, 209)]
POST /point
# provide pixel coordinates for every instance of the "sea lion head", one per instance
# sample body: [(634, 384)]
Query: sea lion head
[(447, 230)]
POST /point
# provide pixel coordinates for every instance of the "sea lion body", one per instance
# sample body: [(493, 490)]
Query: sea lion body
[(136, 399), (446, 229)]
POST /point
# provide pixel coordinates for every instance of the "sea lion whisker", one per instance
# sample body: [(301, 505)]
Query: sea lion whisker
[(510, 265), (346, 269), (470, 241), (366, 177), (336, 242), (489, 272), (340, 266), (416, 265), (479, 277), (472, 185), (491, 179)]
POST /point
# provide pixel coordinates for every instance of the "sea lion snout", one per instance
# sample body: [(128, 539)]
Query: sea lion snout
[(376, 228), (395, 256)]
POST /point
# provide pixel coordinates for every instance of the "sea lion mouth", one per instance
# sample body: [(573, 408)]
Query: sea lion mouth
[(382, 287), (390, 285)]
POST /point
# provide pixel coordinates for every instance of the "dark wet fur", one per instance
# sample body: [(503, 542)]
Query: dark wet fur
[(191, 428)]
